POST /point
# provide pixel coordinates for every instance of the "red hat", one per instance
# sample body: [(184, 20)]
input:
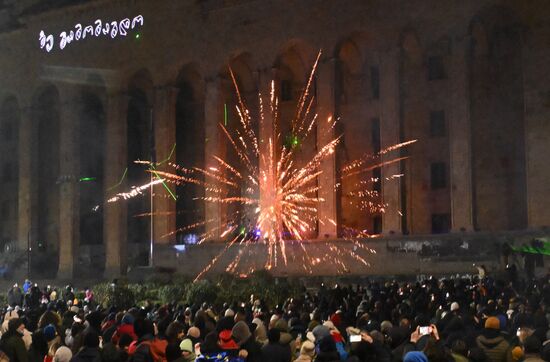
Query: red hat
[(226, 342)]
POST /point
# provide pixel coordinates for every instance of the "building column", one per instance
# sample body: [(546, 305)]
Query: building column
[(212, 117), (164, 219), (327, 210), (25, 225), (390, 135), (69, 158), (460, 140), (114, 214)]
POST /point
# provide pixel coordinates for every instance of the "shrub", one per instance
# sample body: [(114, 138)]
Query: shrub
[(170, 293), (120, 296), (143, 292), (261, 284), (200, 292)]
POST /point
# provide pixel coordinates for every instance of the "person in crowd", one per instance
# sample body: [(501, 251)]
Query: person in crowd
[(187, 350), (173, 353), (53, 340), (275, 351), (63, 354), (532, 348), (126, 327), (307, 352), (15, 296), (175, 332), (90, 351), (242, 336), (27, 286), (456, 319), (492, 342), (12, 343)]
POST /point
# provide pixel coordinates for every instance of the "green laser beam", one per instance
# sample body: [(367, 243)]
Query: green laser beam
[(163, 183), (544, 249), (160, 178), (86, 179), (166, 186), (121, 180), (225, 113), (169, 156)]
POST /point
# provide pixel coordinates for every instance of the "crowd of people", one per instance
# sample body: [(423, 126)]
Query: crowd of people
[(454, 319)]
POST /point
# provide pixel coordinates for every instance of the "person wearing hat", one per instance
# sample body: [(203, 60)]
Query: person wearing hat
[(492, 342), (415, 356), (126, 327), (307, 352), (285, 338), (274, 351), (187, 350), (241, 334), (63, 354), (318, 333), (226, 342), (260, 332), (54, 341), (12, 343), (326, 350), (517, 354), (338, 340)]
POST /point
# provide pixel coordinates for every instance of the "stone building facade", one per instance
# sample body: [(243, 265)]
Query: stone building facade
[(467, 79)]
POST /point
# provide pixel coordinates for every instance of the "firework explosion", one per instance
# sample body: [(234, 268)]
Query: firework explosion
[(281, 190)]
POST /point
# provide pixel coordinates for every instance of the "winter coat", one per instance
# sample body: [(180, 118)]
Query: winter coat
[(150, 350), (275, 352), (87, 355), (124, 329), (15, 297), (331, 356), (304, 358), (14, 347), (254, 350), (218, 357), (531, 358), (288, 342), (495, 348)]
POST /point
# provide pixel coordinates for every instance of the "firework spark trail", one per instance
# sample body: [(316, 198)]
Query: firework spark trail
[(275, 178), (244, 115), (215, 260), (136, 191), (366, 157), (305, 93), (187, 227)]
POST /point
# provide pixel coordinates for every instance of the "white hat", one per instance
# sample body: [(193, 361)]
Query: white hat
[(229, 313), (63, 354), (454, 306)]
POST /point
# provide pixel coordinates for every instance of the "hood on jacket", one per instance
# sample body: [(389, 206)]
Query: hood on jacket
[(490, 343)]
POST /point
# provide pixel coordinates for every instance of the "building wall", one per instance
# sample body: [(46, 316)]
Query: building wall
[(500, 59)]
